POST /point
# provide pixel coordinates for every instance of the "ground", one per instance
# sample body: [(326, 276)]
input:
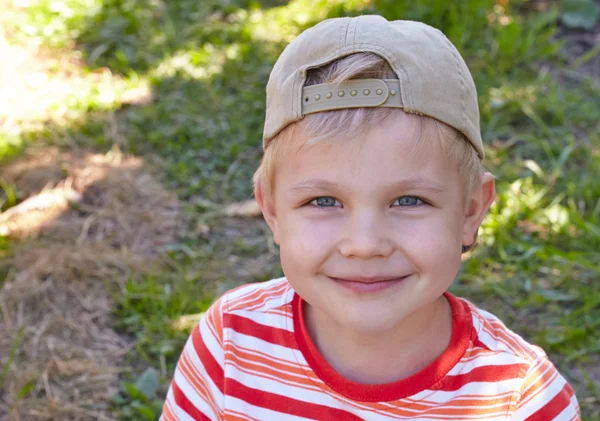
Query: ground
[(129, 132)]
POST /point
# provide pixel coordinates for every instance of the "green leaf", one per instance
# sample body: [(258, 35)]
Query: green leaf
[(581, 14), (26, 389), (148, 383)]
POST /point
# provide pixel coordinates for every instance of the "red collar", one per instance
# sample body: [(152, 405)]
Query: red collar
[(462, 330)]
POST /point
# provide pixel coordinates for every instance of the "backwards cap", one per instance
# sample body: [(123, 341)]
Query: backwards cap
[(433, 79)]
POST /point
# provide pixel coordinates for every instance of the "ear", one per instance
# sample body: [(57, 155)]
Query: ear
[(481, 199), (268, 210)]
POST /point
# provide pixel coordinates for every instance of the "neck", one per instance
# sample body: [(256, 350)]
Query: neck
[(382, 357)]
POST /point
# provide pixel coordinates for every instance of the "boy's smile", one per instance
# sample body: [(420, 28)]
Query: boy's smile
[(368, 284)]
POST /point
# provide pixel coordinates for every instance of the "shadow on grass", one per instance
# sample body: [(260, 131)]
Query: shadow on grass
[(87, 225), (97, 243)]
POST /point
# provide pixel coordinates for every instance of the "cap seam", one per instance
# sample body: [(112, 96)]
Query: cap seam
[(355, 31), (344, 34), (463, 116), (350, 31)]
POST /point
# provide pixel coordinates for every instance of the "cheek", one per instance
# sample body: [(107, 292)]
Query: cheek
[(306, 241), (433, 240)]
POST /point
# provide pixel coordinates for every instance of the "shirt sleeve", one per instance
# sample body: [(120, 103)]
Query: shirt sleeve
[(546, 395), (196, 391)]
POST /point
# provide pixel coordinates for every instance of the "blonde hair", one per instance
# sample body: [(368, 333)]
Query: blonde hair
[(352, 122)]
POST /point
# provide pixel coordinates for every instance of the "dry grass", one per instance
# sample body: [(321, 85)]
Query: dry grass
[(97, 219)]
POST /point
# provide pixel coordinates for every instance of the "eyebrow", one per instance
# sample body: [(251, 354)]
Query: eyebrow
[(421, 184)]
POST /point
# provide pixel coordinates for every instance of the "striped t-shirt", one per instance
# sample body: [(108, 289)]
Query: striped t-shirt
[(251, 358)]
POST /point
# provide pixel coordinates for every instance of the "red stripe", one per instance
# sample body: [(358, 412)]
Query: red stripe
[(184, 403), (488, 373), (286, 405), (269, 334), (555, 406), (211, 365), (480, 344)]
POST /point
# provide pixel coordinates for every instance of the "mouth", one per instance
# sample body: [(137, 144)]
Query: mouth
[(363, 285)]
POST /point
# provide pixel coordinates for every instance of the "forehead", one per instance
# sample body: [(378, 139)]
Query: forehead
[(395, 150)]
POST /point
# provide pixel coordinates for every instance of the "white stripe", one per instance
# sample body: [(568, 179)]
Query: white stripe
[(267, 319), (194, 397), (249, 289), (524, 348), (238, 350), (495, 343), (277, 385), (488, 389), (252, 342), (210, 341), (261, 413), (431, 397), (492, 359), (239, 415), (265, 300), (198, 367)]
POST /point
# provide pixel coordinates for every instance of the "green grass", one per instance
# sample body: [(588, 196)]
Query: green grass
[(207, 63)]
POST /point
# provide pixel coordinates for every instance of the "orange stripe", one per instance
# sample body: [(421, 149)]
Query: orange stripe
[(235, 415), (198, 383), (257, 296), (535, 386), (296, 379), (168, 414), (271, 362)]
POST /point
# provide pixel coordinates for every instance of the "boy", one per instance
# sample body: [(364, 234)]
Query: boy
[(373, 186)]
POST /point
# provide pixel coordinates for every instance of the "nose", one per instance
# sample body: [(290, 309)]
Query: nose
[(366, 236)]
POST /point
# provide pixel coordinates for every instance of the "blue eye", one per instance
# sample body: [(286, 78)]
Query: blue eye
[(324, 201), (409, 201)]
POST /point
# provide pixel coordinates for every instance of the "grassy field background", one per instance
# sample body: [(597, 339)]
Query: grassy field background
[(150, 114)]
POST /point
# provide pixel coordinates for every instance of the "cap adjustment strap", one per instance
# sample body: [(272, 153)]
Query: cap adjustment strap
[(355, 93)]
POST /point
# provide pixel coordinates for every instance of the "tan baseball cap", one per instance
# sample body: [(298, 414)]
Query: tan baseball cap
[(433, 79)]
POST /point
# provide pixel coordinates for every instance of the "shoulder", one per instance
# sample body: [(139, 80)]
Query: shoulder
[(492, 334), (542, 391), (249, 307), (245, 309)]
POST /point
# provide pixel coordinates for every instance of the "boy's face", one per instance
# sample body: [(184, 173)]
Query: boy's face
[(370, 208)]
